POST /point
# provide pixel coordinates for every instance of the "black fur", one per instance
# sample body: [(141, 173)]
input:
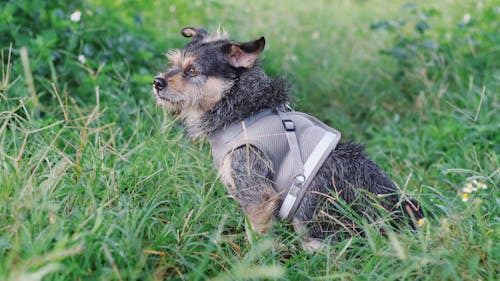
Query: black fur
[(253, 90)]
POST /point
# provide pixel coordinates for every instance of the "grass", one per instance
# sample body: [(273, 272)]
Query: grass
[(97, 183)]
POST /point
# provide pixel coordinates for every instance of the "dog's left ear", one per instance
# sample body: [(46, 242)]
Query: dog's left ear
[(196, 33), (244, 54)]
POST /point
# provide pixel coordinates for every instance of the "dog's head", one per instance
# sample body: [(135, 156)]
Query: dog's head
[(202, 72)]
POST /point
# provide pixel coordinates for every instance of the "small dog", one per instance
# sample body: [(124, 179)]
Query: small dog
[(215, 82)]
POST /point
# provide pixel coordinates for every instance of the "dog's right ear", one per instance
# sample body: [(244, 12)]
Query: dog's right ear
[(243, 54)]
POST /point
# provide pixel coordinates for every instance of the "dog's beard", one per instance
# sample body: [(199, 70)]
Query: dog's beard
[(170, 100)]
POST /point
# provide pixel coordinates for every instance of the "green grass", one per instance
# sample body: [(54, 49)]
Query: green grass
[(98, 183)]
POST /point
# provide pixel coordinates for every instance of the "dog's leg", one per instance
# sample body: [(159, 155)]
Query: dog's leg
[(308, 243), (247, 173), (261, 216)]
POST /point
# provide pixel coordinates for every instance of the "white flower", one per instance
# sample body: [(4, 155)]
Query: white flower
[(466, 18), (75, 16), (469, 188), (481, 185), (82, 59)]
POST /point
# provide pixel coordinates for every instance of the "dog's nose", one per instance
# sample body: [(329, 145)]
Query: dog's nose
[(160, 83)]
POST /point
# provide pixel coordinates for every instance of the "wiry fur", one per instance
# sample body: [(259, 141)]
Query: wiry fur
[(347, 178), (263, 91)]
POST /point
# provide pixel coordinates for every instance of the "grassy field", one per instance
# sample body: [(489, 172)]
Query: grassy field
[(98, 183)]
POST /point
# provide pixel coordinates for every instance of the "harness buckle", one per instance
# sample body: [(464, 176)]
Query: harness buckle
[(297, 184), (288, 125)]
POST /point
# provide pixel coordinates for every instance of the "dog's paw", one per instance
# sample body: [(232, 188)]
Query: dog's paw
[(311, 245)]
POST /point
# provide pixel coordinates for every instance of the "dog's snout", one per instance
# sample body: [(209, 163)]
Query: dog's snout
[(160, 83)]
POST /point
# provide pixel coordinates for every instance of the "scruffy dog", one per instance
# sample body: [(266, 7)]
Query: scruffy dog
[(216, 85)]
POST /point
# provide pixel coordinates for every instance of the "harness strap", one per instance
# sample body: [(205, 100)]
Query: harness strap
[(299, 178), (293, 143), (305, 171)]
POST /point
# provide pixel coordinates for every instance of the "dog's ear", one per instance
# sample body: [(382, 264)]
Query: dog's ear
[(243, 54), (196, 33)]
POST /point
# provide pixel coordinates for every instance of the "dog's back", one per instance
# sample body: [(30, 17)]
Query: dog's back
[(350, 186)]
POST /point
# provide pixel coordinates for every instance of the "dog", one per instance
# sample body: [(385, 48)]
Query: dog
[(216, 85)]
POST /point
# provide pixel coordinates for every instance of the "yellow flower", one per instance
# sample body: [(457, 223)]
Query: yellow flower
[(421, 221), (465, 197)]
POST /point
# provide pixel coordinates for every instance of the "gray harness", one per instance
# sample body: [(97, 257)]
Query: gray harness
[(287, 139)]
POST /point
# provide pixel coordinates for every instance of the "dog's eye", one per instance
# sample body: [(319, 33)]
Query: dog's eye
[(191, 71)]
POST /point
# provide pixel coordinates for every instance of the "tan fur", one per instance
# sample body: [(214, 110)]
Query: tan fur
[(226, 174), (308, 243), (189, 32), (239, 58), (201, 99), (174, 56), (177, 83), (177, 58), (261, 215), (213, 91), (187, 61), (219, 35)]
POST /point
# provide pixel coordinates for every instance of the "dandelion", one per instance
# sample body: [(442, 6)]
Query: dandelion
[(465, 197), (76, 16), (421, 221), (82, 59)]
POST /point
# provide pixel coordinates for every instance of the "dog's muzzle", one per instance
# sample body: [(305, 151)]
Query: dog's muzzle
[(160, 83)]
